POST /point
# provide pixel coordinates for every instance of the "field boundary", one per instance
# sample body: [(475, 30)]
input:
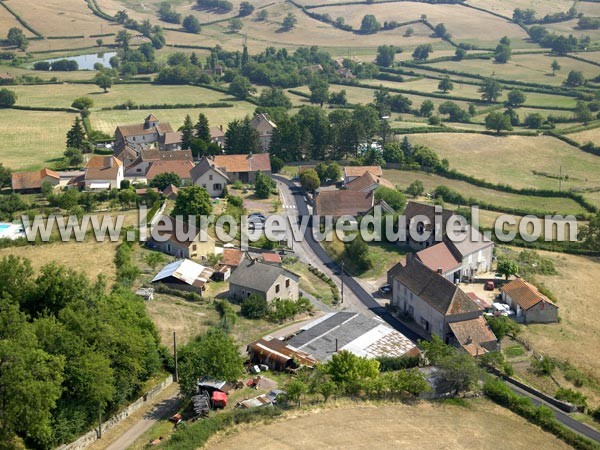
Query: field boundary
[(21, 21)]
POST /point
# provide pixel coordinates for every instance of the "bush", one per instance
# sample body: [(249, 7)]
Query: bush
[(393, 363), (571, 396), (254, 307)]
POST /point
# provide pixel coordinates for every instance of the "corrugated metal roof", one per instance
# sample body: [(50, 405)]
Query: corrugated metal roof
[(184, 270)]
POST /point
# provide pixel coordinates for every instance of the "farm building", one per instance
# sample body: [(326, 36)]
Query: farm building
[(343, 202), (361, 335), (528, 303), (31, 182), (277, 355), (268, 281), (184, 275)]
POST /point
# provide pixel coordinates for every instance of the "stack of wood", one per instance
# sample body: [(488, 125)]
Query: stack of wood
[(201, 404)]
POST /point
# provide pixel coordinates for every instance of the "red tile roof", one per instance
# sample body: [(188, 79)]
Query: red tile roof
[(102, 168), (244, 163), (31, 180), (525, 294), (271, 258), (439, 256), (367, 180), (181, 168), (471, 334), (232, 257)]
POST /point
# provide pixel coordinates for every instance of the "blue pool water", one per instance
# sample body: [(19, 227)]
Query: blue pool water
[(4, 226)]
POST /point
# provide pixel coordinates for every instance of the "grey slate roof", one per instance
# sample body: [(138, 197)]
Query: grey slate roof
[(257, 275)]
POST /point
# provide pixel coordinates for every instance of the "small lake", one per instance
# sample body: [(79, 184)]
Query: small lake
[(86, 62)]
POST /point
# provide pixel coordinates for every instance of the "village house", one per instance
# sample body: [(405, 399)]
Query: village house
[(268, 281), (441, 259), (31, 182), (352, 172), (528, 303), (184, 275), (180, 168), (425, 219), (436, 304), (139, 168), (147, 134), (368, 182), (207, 175), (264, 127), (177, 238), (217, 136), (103, 172), (338, 203), (244, 167), (473, 250)]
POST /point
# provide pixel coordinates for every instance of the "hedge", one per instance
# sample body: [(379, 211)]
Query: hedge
[(193, 47), (102, 35), (93, 6), (66, 37), (44, 108), (21, 21), (542, 416), (172, 106)]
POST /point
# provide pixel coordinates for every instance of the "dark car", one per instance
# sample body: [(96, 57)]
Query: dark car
[(386, 289)]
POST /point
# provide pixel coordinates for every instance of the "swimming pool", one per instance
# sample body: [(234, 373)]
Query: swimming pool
[(4, 226), (11, 231)]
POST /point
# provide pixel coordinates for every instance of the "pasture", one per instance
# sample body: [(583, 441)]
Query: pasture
[(542, 7), (62, 95), (32, 139), (403, 179), (7, 21), (464, 24), (427, 426), (533, 68), (514, 160), (583, 137)]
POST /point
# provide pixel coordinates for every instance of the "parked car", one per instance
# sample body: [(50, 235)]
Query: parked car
[(386, 289), (489, 286), (257, 216)]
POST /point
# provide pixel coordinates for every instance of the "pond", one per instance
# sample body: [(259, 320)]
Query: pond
[(86, 62)]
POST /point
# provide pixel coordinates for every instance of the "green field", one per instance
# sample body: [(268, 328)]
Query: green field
[(402, 179), (62, 95), (512, 160), (32, 139)]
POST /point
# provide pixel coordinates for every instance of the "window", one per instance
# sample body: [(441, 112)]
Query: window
[(425, 324), (287, 283), (210, 177), (217, 187), (277, 288), (194, 247)]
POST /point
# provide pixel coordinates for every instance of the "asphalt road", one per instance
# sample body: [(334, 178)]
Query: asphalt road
[(356, 296)]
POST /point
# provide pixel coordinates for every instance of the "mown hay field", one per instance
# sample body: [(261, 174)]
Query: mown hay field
[(403, 179), (533, 68), (7, 21), (62, 95), (463, 23), (108, 121), (541, 7), (61, 17), (513, 160), (583, 137), (427, 426), (32, 139)]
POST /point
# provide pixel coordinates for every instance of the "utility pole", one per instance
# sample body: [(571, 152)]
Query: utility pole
[(560, 180), (342, 278), (176, 377), (99, 421)]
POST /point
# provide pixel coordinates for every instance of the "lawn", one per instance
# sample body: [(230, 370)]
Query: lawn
[(107, 121), (533, 68), (95, 258), (501, 199), (62, 95), (464, 24), (32, 139), (427, 426), (311, 284), (576, 288), (513, 160)]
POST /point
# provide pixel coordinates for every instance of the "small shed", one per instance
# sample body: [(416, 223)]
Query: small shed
[(184, 275)]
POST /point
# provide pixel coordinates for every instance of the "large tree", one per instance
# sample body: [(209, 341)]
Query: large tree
[(7, 98), (240, 137), (103, 80), (309, 180), (422, 52), (213, 355), (516, 97), (191, 24), (490, 90), (319, 90), (241, 87), (17, 38), (385, 55), (274, 97), (76, 136), (445, 84), (497, 121), (369, 24), (192, 201), (163, 180), (187, 133), (202, 128)]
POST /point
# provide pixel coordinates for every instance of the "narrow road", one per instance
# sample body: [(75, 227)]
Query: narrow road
[(356, 297), (561, 416), (165, 408)]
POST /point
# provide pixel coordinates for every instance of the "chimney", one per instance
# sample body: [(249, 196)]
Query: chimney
[(440, 271), (110, 161), (250, 155), (469, 340), (221, 127), (336, 345)]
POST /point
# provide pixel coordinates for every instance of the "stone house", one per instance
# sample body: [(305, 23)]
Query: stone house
[(264, 127), (177, 238), (149, 133), (265, 280), (243, 167), (207, 175), (103, 172)]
